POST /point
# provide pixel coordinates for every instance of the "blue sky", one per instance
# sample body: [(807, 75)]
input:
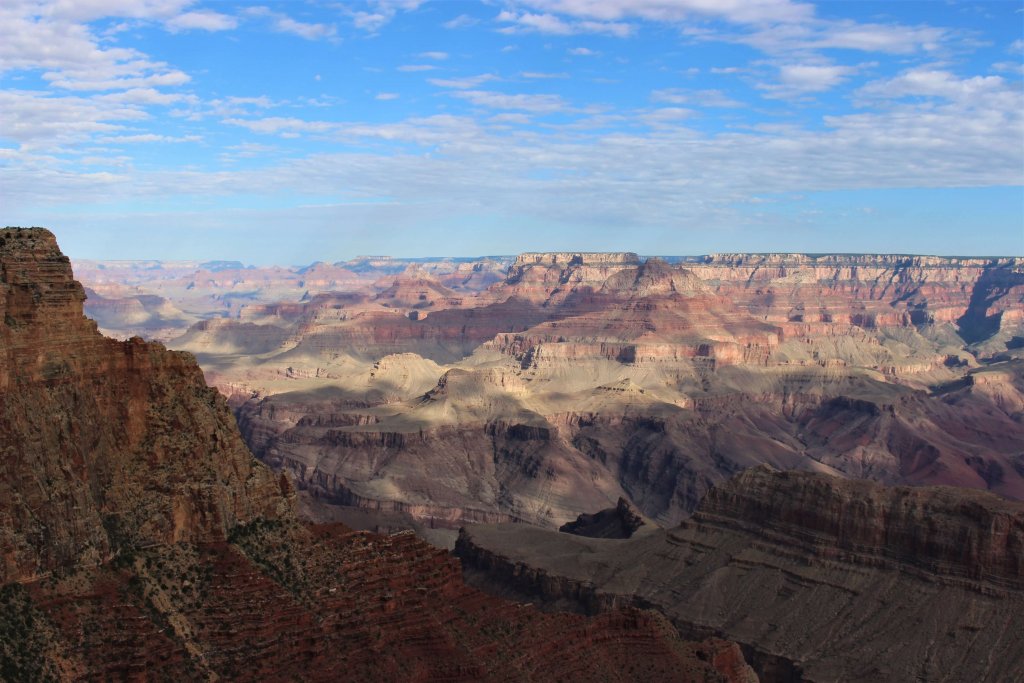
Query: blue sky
[(295, 131)]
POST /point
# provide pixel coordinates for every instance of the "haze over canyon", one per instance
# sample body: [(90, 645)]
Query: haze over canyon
[(538, 387)]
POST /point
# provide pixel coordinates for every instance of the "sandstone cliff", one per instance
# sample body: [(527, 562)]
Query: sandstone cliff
[(105, 443)]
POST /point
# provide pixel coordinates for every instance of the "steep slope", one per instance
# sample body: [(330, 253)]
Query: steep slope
[(140, 540), (843, 579), (104, 441)]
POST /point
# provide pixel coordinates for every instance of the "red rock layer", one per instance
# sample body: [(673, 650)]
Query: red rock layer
[(284, 602), (140, 540), (944, 531), (105, 440)]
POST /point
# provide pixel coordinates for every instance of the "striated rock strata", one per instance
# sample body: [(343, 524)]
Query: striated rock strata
[(105, 442), (820, 578), (582, 378), (140, 540)]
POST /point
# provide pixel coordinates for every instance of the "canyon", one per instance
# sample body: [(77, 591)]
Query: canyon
[(722, 468), (140, 539), (435, 393)]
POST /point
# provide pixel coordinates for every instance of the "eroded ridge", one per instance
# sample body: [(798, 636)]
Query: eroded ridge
[(820, 578)]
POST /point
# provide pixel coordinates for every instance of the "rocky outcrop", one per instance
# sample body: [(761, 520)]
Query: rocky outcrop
[(820, 578), (281, 601), (621, 521), (870, 290), (105, 443), (944, 532)]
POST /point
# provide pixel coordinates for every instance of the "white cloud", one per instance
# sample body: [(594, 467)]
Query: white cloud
[(542, 75), (387, 96), (700, 98), (282, 23), (34, 36), (90, 10), (800, 79), (84, 79), (666, 115), (37, 120), (439, 56), (461, 21), (551, 24), (204, 20), (663, 175), (146, 96), (370, 21), (1010, 67), (538, 104), (304, 30), (740, 11), (934, 83), (146, 137), (462, 83), (647, 165), (281, 125), (511, 118), (383, 12), (582, 52), (773, 26), (246, 150), (843, 34)]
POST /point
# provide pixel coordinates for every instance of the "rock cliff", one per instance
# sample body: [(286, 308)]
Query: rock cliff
[(621, 521), (820, 578), (105, 442)]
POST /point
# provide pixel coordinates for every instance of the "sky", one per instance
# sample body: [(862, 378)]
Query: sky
[(297, 131)]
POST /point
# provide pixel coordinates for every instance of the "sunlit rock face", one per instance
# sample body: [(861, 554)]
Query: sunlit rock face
[(104, 438), (581, 378)]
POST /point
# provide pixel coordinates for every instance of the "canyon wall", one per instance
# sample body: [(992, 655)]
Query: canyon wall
[(582, 378), (820, 578), (105, 441)]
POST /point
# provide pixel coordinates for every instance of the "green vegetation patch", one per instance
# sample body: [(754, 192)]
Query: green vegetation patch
[(25, 638)]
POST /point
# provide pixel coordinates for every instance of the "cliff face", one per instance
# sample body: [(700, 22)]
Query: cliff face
[(820, 578), (585, 377), (621, 521), (139, 539), (105, 442), (943, 531), (980, 295)]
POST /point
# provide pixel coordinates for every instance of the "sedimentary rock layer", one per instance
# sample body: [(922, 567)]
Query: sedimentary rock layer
[(104, 441), (844, 580), (582, 378), (140, 540)]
